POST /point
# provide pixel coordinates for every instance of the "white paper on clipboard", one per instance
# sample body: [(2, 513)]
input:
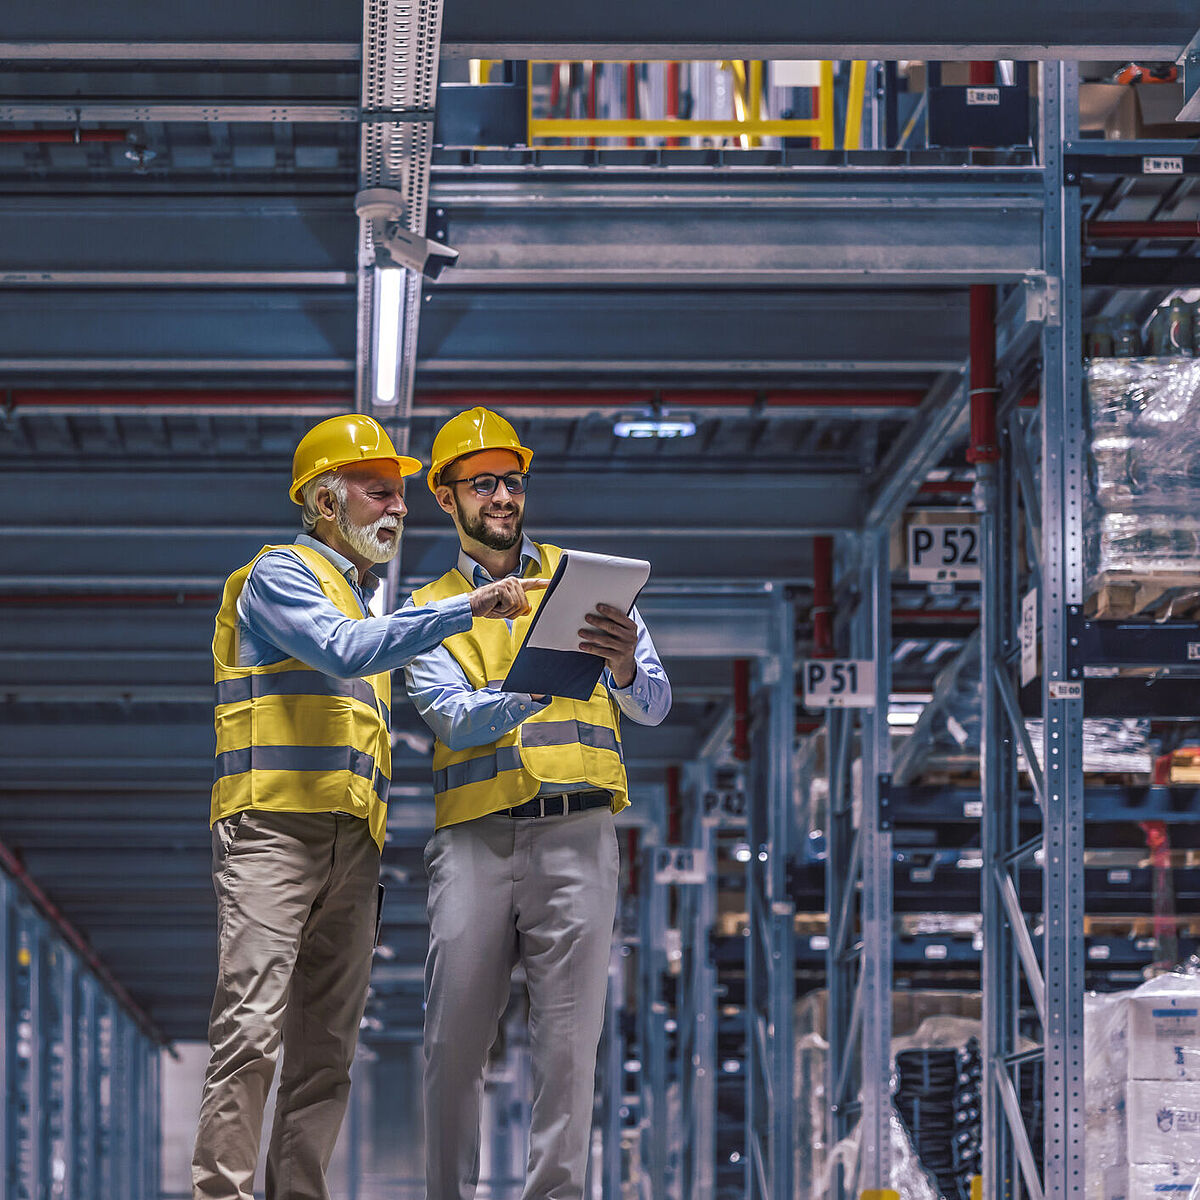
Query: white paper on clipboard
[(587, 580), (549, 660)]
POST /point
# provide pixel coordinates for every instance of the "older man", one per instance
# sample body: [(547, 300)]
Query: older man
[(523, 864), (299, 807)]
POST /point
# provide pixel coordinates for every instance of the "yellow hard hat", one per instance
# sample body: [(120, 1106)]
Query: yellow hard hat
[(340, 441), (468, 433)]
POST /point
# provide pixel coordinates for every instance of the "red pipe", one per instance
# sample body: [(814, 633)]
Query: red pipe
[(173, 396), (741, 709), (981, 74), (631, 855), (947, 487), (674, 806), (985, 443), (955, 616), (467, 398), (822, 603), (50, 137), (71, 934), (1128, 231)]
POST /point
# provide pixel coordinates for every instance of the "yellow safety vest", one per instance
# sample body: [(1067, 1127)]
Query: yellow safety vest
[(568, 741), (290, 738)]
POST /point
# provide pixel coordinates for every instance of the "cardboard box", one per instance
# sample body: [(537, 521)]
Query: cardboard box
[(1163, 1121), (1123, 111), (1164, 1037), (1161, 1181), (1109, 109)]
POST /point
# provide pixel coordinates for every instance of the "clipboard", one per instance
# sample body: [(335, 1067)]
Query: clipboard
[(549, 661)]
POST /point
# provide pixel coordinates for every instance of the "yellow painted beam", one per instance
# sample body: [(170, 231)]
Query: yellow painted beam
[(582, 127), (827, 136), (880, 1194), (852, 139)]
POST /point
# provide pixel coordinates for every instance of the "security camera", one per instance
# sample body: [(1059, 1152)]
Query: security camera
[(395, 244)]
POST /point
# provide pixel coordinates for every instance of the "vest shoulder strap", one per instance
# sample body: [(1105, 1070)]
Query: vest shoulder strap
[(332, 582)]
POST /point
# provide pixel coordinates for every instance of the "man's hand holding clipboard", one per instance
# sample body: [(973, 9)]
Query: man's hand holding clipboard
[(581, 625)]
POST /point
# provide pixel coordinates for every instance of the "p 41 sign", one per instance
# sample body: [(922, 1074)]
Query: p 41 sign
[(943, 553), (839, 683)]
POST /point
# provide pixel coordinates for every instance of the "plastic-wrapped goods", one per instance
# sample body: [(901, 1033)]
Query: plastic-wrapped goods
[(1145, 468), (949, 728), (1142, 1088), (1110, 744), (1164, 1036), (1163, 1181), (906, 1176), (1163, 1120)]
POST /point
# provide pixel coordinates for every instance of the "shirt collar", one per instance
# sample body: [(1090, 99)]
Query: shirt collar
[(343, 564), (476, 575)]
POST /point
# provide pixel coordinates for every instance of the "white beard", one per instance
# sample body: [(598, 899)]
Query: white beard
[(363, 539)]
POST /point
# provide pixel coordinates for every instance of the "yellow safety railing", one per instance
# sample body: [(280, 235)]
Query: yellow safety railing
[(748, 125)]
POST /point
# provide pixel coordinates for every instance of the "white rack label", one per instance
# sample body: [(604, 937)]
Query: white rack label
[(972, 809), (1193, 651), (936, 951), (1065, 691), (1119, 876), (921, 875), (1029, 616), (1159, 164), (943, 553), (839, 683), (818, 941), (678, 864), (989, 96)]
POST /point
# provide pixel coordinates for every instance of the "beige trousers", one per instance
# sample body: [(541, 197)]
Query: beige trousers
[(297, 899), (541, 891)]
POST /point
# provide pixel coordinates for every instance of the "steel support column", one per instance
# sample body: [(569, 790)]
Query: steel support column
[(770, 950), (872, 639), (1063, 482)]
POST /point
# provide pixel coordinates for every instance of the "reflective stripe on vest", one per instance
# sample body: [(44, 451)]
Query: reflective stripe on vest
[(298, 683), (290, 738), (567, 742)]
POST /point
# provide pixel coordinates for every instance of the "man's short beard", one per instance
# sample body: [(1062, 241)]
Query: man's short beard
[(493, 539), (362, 539)]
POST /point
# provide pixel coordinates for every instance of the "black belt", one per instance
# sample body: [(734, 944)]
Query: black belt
[(561, 804)]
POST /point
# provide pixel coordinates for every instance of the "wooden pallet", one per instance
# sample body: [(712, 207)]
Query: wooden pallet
[(1156, 597)]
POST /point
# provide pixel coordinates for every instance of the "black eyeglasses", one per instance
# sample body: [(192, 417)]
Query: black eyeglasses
[(486, 484)]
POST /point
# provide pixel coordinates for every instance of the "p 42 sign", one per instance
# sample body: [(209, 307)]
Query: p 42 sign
[(937, 553), (839, 683)]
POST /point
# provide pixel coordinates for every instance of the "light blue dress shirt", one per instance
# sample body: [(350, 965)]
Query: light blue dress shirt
[(462, 716), (282, 613)]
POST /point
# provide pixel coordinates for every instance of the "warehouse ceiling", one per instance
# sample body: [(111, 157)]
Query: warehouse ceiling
[(178, 305)]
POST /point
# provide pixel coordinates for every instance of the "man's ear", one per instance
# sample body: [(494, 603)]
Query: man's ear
[(325, 502), (445, 497)]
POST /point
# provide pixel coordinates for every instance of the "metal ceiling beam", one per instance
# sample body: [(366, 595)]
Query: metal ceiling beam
[(963, 29), (938, 29), (978, 225), (168, 112)]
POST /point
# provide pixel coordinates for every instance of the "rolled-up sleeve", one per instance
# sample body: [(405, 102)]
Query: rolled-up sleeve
[(283, 604)]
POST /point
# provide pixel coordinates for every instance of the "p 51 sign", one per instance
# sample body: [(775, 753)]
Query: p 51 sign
[(941, 553), (839, 683)]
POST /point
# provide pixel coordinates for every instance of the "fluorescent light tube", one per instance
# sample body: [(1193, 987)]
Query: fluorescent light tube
[(387, 342)]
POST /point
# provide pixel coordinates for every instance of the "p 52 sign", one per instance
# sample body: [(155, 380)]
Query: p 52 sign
[(839, 683), (943, 553)]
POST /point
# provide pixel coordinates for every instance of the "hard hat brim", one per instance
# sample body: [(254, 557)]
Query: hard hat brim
[(408, 466)]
